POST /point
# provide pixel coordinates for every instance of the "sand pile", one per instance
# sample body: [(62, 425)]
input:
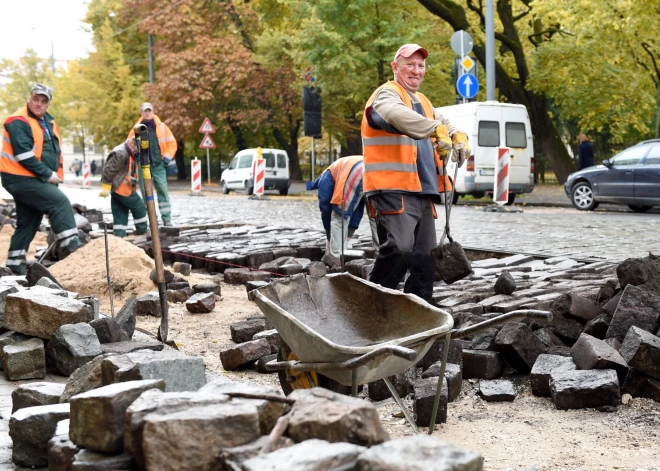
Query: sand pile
[(5, 237), (84, 270)]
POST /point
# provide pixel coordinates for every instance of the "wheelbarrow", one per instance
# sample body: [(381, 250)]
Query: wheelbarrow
[(341, 329)]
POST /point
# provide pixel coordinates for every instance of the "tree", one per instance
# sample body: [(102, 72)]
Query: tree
[(519, 33), (22, 75), (350, 45)]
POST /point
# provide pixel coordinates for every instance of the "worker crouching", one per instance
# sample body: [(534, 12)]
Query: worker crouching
[(340, 194), (120, 177), (31, 165)]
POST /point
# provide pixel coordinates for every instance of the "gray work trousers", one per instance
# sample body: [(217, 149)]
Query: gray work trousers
[(406, 232)]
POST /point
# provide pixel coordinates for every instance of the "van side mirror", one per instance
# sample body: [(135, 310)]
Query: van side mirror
[(607, 163)]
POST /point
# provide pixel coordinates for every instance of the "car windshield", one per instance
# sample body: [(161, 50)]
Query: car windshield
[(654, 156)]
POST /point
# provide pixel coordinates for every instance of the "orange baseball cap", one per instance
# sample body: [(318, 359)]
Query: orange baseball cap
[(408, 50)]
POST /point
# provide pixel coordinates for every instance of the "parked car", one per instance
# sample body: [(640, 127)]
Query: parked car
[(631, 177), (239, 174), (490, 125)]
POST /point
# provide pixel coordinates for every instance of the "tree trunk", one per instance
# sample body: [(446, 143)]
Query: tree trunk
[(353, 140), (291, 147), (657, 111), (238, 134)]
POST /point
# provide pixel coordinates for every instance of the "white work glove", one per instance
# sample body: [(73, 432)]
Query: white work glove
[(54, 179)]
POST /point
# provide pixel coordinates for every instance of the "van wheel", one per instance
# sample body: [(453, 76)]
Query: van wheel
[(284, 191), (512, 198), (223, 188), (248, 188)]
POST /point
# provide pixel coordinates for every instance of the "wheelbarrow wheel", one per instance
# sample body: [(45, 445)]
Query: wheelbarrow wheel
[(290, 380)]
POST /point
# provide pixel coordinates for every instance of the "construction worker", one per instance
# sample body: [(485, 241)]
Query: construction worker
[(120, 176), (162, 147), (406, 143), (340, 185), (31, 167)]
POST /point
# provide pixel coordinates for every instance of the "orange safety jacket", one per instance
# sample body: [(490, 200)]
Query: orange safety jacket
[(166, 140), (340, 170), (10, 163), (390, 160), (126, 187)]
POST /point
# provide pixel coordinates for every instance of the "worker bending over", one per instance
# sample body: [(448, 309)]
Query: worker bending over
[(31, 167), (120, 176), (340, 186), (406, 143)]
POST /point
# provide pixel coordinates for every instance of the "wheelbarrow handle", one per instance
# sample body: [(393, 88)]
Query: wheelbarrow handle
[(405, 353), (520, 314)]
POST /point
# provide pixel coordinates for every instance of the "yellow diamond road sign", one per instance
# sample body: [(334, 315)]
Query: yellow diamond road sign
[(467, 63)]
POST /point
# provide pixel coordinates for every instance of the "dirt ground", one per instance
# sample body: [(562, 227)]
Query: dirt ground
[(527, 432), (5, 237)]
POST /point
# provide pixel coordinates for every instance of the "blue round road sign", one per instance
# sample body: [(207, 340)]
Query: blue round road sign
[(467, 86)]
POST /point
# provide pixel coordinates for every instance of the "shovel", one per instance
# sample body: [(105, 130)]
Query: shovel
[(450, 259)]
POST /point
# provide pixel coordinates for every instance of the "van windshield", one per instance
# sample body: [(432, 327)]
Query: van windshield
[(489, 133), (516, 135), (269, 157)]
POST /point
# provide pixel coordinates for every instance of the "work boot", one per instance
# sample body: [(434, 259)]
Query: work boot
[(18, 270), (167, 223), (73, 245)]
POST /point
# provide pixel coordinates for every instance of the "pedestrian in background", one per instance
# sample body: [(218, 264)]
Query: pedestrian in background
[(120, 177), (31, 167), (406, 143), (585, 153), (340, 194), (92, 167), (162, 148)]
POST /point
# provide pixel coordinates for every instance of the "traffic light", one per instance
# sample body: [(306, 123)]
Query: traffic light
[(312, 111)]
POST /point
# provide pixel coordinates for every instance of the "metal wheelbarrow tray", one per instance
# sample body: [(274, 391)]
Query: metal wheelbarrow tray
[(356, 332)]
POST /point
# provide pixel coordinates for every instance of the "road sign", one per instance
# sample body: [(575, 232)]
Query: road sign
[(206, 128), (501, 193), (467, 64), (461, 43), (467, 86), (207, 142)]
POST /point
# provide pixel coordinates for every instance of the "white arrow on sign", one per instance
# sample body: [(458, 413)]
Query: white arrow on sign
[(468, 83)]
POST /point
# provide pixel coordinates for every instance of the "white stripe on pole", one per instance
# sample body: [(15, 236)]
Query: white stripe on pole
[(259, 176), (196, 175), (501, 186), (87, 176)]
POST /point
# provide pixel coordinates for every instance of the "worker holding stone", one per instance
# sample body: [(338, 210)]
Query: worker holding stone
[(31, 166), (120, 178), (162, 147)]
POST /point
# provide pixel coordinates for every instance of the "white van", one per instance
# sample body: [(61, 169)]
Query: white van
[(238, 176), (490, 125)]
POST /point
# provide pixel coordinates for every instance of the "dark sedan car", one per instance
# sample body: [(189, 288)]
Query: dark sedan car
[(631, 177)]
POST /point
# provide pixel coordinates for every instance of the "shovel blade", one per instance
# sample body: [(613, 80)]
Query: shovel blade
[(164, 321), (451, 262)]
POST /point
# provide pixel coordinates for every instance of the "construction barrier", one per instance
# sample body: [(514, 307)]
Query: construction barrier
[(196, 175), (501, 192), (259, 176), (87, 176)]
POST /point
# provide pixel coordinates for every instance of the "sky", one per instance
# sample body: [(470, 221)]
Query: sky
[(35, 23)]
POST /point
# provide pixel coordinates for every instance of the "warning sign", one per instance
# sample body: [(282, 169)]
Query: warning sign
[(207, 127), (207, 142)]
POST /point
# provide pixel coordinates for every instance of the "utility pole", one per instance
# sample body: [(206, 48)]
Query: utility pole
[(52, 57), (490, 51), (151, 58)]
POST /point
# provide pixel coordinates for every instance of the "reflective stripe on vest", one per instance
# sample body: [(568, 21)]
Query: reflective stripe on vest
[(346, 175), (10, 163), (390, 160)]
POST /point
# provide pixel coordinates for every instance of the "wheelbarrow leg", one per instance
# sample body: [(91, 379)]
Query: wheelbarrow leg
[(354, 385), (399, 402), (441, 377)]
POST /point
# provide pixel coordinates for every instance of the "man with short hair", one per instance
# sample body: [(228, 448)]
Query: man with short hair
[(120, 176), (585, 153), (406, 144), (31, 167), (162, 147)]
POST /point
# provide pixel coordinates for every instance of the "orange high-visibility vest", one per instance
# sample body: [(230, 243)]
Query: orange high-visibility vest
[(166, 140), (10, 163), (340, 171), (390, 160), (126, 187)]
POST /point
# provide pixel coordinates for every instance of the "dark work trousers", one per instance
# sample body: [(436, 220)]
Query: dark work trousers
[(121, 205), (406, 231), (33, 199)]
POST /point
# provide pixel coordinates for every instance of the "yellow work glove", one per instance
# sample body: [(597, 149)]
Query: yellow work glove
[(105, 190), (461, 148), (442, 140)]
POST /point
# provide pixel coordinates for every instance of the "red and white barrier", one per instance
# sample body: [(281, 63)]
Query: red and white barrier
[(501, 191), (86, 176), (259, 176), (196, 175)]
